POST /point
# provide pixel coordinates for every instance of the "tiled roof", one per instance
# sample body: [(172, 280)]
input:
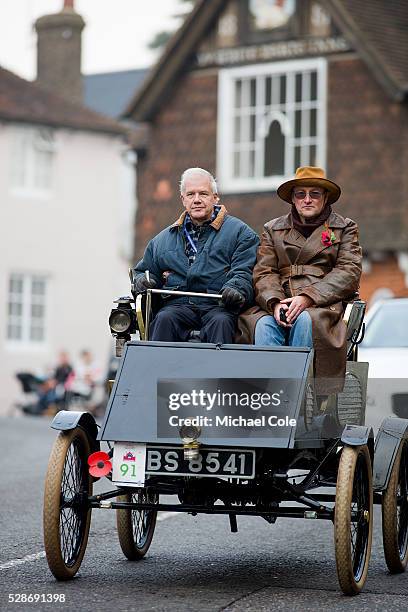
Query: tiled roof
[(110, 93), (24, 101), (379, 30)]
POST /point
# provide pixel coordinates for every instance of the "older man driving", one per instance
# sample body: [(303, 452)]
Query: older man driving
[(205, 250), (309, 263)]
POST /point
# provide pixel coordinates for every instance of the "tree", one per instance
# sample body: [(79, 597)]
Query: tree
[(161, 38)]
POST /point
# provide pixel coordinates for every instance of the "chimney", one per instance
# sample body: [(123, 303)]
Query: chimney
[(59, 52)]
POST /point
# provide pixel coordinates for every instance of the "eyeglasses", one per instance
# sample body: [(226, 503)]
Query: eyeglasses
[(315, 195)]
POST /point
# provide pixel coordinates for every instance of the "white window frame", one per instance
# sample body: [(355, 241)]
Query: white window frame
[(25, 151), (26, 343), (225, 136)]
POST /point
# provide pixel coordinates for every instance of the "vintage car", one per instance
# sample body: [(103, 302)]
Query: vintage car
[(233, 430)]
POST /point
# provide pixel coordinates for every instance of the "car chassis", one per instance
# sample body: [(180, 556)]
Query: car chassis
[(329, 448)]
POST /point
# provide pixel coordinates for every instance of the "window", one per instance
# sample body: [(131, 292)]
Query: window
[(26, 309), (388, 326), (320, 24), (271, 120), (270, 14), (32, 160), (269, 20)]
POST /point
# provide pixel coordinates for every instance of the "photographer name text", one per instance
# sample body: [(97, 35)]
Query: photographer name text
[(228, 421)]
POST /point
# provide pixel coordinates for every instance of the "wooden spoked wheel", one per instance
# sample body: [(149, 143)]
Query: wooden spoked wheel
[(353, 518), (67, 515)]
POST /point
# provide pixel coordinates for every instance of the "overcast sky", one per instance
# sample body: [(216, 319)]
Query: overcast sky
[(115, 37)]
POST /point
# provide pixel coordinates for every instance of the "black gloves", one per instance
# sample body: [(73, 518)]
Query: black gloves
[(140, 284), (232, 299)]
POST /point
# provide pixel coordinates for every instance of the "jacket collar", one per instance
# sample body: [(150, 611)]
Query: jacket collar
[(216, 224), (285, 222), (311, 246)]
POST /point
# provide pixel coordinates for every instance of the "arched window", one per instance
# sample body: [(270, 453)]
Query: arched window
[(271, 120)]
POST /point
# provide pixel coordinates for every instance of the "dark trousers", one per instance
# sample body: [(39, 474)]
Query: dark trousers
[(174, 322)]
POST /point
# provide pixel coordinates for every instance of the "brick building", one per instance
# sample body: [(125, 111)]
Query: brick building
[(251, 89)]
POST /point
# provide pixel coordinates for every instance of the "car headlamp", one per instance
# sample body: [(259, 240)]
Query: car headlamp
[(120, 321), (189, 435)]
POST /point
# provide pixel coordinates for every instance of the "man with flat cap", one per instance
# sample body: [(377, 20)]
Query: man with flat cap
[(308, 265)]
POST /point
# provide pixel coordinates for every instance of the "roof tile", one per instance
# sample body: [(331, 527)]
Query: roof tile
[(25, 101), (382, 28)]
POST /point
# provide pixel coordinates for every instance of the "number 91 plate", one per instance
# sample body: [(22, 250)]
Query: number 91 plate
[(169, 460)]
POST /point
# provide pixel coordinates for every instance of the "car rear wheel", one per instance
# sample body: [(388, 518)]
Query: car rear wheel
[(136, 527), (66, 514), (353, 518), (395, 513)]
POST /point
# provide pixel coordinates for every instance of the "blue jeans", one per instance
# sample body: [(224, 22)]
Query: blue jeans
[(269, 333)]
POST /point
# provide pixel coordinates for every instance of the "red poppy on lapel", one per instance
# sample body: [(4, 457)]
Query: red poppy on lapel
[(328, 236)]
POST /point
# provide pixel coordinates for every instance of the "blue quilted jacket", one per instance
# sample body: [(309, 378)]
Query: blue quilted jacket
[(225, 258)]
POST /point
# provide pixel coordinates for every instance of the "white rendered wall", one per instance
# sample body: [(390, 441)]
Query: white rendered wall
[(76, 237)]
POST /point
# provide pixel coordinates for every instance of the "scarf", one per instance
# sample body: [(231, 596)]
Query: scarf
[(307, 227), (192, 234)]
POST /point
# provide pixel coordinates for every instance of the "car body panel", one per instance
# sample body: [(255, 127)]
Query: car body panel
[(138, 404)]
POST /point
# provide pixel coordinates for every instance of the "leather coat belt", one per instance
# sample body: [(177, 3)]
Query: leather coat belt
[(300, 270)]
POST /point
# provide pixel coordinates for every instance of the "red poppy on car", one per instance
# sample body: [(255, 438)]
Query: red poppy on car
[(99, 464)]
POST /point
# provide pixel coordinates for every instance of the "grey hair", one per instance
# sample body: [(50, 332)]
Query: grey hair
[(190, 171)]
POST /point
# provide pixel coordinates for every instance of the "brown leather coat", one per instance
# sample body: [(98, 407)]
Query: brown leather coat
[(288, 264)]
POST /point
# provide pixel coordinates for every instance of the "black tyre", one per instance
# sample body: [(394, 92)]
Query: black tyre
[(136, 527), (395, 513), (353, 518), (66, 515)]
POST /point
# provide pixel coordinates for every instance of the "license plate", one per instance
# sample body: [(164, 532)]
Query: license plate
[(133, 462), (216, 462)]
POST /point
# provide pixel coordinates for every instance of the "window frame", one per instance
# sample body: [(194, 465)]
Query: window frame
[(26, 318), (289, 30), (225, 134), (26, 149)]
